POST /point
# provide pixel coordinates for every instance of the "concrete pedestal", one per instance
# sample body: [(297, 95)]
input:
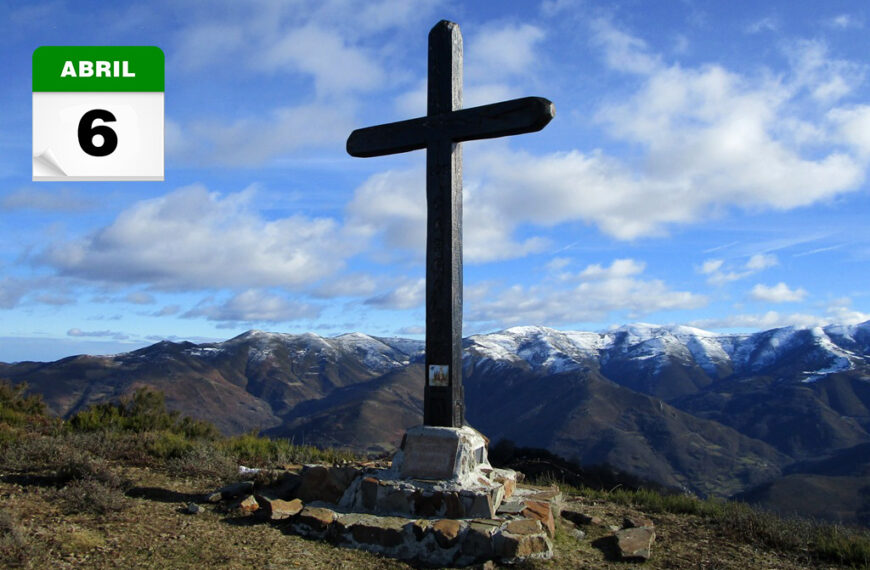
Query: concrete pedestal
[(441, 454)]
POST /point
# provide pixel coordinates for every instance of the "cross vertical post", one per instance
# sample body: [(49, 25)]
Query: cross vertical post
[(443, 398)]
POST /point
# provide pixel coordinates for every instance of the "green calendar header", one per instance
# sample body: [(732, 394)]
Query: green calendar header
[(98, 68)]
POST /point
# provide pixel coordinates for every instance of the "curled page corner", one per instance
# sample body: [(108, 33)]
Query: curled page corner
[(46, 164)]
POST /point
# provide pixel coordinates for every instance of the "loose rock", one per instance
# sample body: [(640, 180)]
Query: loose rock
[(279, 509), (248, 505), (635, 543), (235, 490)]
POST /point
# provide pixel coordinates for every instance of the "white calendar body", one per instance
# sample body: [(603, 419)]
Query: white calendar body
[(138, 124)]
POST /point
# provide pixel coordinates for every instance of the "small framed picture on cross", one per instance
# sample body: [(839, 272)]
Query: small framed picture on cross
[(439, 375)]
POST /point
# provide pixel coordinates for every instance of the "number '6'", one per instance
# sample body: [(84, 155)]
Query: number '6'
[(87, 131)]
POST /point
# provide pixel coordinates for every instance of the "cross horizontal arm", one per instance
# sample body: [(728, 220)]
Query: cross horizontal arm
[(526, 115)]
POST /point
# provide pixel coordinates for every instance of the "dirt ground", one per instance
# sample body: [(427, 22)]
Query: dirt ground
[(150, 528)]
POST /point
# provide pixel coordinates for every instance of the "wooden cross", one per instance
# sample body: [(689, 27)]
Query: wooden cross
[(446, 125)]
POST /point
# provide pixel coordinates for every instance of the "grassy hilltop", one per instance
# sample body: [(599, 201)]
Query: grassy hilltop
[(109, 488)]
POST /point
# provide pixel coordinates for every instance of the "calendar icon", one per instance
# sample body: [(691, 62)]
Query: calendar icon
[(98, 113)]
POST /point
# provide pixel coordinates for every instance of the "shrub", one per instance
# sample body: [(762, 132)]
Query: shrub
[(256, 451), (19, 411), (167, 444), (204, 459), (842, 546), (144, 411), (32, 452), (13, 399), (13, 540), (92, 495)]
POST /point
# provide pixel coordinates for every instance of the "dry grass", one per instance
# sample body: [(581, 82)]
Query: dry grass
[(152, 530)]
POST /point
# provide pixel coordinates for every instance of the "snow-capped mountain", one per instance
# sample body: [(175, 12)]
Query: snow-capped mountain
[(819, 351)]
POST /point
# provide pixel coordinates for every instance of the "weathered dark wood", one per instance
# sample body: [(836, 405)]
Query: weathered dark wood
[(444, 405), (441, 132), (514, 117)]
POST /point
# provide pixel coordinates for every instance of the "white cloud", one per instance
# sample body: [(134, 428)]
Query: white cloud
[(623, 51), (324, 53), (711, 266), (167, 311), (551, 8), (768, 320), (193, 238), (47, 290), (347, 285), (254, 141), (853, 126), (406, 296), (412, 103), (208, 44), (766, 24), (392, 204), (12, 291), (618, 269), (508, 50), (718, 273), (838, 311), (53, 298), (761, 261), (327, 40), (487, 234), (595, 294), (505, 189), (827, 79), (779, 293), (711, 139), (97, 334), (845, 21), (841, 311), (557, 264), (335, 65), (254, 305), (140, 298)]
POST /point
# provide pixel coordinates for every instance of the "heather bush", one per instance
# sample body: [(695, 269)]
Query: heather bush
[(256, 451), (15, 405), (34, 452), (93, 495), (167, 444), (204, 459), (144, 411), (13, 540), (22, 413)]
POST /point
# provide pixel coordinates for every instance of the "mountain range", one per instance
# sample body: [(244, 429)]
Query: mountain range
[(780, 418)]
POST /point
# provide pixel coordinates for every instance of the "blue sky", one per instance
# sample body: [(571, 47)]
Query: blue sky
[(707, 166)]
